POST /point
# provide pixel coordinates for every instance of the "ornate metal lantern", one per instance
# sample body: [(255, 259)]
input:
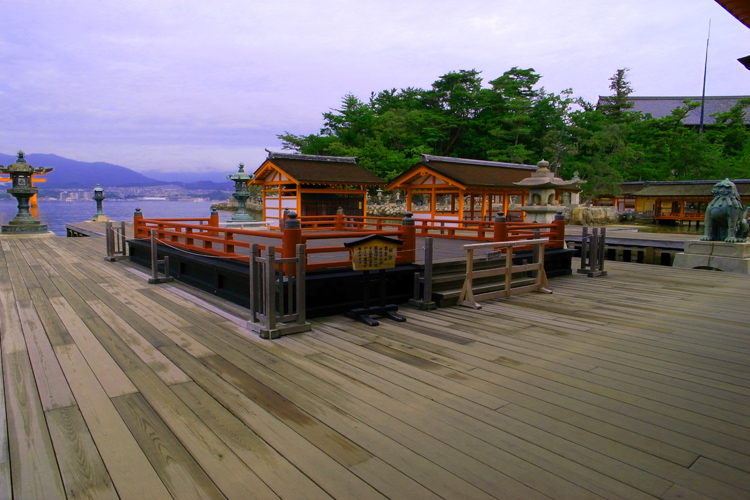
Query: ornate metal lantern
[(20, 174), (241, 193), (99, 197)]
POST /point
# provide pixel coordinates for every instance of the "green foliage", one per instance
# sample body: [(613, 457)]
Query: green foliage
[(511, 119)]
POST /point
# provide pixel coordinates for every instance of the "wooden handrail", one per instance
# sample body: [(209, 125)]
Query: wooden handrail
[(509, 287), (205, 236)]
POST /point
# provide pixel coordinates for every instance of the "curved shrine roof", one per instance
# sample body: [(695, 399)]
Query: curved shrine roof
[(680, 188), (471, 173), (312, 169)]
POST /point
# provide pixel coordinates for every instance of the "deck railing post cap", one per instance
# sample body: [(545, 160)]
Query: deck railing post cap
[(138, 213), (292, 221), (500, 217), (408, 219), (559, 215)]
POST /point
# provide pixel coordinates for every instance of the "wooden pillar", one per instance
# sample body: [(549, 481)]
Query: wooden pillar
[(340, 219), (559, 223), (213, 222), (139, 230), (292, 236), (409, 248), (500, 232)]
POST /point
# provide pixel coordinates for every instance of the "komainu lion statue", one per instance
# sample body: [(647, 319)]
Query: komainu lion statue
[(725, 217)]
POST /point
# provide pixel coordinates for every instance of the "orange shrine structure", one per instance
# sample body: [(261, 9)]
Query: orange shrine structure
[(444, 188), (312, 185)]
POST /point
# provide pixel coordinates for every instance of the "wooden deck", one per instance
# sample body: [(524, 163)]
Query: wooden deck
[(631, 386)]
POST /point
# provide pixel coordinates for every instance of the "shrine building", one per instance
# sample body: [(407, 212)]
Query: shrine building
[(440, 187), (312, 185)]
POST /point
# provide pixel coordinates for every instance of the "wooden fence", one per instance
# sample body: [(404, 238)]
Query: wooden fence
[(277, 293), (533, 276)]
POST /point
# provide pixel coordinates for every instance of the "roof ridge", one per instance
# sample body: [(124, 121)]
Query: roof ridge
[(299, 156), (469, 161)]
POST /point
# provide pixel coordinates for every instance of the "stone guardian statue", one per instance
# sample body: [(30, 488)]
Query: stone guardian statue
[(725, 217)]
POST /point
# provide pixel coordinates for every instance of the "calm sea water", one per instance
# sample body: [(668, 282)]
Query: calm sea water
[(58, 213)]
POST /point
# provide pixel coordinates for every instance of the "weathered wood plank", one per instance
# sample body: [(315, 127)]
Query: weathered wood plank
[(184, 478), (83, 471), (276, 471), (327, 473), (132, 474), (112, 378), (493, 428), (50, 381), (624, 387), (150, 355), (722, 472), (34, 470), (595, 461)]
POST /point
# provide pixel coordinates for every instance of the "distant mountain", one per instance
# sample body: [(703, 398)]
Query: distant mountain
[(72, 174), (78, 174), (190, 177)]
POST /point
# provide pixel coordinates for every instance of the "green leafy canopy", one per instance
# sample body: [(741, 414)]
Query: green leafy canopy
[(512, 119)]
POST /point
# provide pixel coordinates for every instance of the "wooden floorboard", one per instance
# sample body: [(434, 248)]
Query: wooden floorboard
[(631, 386)]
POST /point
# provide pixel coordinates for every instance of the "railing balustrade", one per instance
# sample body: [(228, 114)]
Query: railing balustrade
[(324, 235), (277, 293), (537, 282)]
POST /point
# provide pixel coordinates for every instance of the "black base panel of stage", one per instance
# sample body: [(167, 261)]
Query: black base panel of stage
[(557, 261), (327, 292)]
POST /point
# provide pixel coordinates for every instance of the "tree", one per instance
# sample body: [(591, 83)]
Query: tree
[(513, 120), (616, 104), (455, 100)]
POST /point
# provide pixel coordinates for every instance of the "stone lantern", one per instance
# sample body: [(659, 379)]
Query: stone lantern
[(20, 174), (241, 194), (541, 206), (99, 216)]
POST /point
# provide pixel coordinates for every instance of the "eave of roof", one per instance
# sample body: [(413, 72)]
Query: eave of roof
[(683, 188), (738, 8), (470, 173), (312, 169)]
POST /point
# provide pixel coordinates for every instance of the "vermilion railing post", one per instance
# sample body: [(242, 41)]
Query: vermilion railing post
[(213, 221), (292, 237), (139, 229), (409, 230), (500, 229), (559, 223), (340, 219)]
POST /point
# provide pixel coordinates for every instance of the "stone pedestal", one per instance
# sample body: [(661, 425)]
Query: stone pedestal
[(541, 214), (729, 257)]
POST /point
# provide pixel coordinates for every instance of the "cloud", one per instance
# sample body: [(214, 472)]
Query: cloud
[(195, 84)]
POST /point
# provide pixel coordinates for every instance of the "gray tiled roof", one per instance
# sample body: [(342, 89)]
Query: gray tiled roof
[(680, 188), (322, 169), (473, 173), (659, 107)]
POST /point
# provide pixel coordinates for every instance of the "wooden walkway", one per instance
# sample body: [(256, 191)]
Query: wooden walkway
[(631, 386)]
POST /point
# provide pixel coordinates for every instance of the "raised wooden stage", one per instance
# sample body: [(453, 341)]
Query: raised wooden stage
[(631, 386)]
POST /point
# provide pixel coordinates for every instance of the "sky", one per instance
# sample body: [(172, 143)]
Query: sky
[(202, 85)]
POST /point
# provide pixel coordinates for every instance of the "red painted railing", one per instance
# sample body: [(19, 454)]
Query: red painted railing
[(325, 248), (445, 228), (324, 236)]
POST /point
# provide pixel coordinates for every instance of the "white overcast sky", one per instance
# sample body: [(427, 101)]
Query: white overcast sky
[(204, 85)]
